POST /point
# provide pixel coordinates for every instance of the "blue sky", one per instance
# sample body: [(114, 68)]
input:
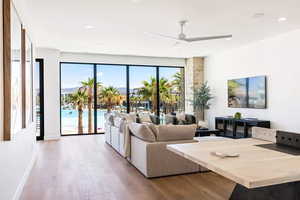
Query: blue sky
[(110, 75)]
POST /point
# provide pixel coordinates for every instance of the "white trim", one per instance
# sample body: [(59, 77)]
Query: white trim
[(23, 181), (52, 137)]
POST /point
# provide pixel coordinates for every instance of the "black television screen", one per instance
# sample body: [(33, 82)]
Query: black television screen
[(247, 92)]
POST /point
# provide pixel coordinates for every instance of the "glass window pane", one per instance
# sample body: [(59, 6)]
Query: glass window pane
[(37, 101), (77, 101), (143, 92), (111, 92), (171, 90)]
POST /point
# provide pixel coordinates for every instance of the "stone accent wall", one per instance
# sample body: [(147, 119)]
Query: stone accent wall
[(194, 78)]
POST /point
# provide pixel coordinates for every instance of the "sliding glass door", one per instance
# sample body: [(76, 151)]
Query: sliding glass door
[(143, 89), (88, 91), (111, 91), (77, 102), (171, 84)]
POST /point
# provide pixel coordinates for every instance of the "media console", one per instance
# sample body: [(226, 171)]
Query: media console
[(238, 128)]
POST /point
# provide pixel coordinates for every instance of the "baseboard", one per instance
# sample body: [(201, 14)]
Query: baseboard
[(24, 179), (51, 137)]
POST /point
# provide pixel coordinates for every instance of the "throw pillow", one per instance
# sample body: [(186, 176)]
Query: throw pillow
[(175, 132), (109, 118), (142, 131), (180, 116), (145, 117), (118, 121)]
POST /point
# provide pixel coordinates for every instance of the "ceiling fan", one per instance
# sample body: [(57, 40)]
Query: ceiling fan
[(184, 38)]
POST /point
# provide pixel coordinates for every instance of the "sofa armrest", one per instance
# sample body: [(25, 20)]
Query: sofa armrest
[(153, 159)]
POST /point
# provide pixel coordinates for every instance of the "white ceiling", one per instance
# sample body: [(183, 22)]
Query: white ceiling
[(120, 25)]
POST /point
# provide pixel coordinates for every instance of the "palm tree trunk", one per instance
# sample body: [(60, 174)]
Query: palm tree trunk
[(154, 103), (109, 106), (80, 124)]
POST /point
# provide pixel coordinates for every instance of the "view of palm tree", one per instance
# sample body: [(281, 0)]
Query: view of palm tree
[(77, 95)]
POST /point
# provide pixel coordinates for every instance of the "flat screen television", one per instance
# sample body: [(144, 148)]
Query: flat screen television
[(248, 92)]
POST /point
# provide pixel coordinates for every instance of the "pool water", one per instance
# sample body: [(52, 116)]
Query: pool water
[(69, 121)]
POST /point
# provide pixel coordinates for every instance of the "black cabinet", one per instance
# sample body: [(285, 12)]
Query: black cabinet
[(238, 128)]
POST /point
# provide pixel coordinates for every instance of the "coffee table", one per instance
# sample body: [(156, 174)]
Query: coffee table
[(259, 173)]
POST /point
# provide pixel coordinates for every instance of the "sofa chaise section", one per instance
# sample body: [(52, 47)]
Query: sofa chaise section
[(154, 160), (150, 155)]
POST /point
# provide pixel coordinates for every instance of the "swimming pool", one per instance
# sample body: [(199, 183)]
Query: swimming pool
[(69, 121)]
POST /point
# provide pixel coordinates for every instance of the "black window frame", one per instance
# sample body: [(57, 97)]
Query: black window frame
[(157, 67), (41, 87)]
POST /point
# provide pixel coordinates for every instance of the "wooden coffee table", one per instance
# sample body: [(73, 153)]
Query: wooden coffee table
[(260, 173)]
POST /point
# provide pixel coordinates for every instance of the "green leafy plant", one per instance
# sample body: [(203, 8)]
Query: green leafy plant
[(238, 115), (202, 96)]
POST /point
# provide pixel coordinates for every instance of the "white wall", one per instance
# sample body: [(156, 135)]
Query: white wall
[(278, 59), (16, 156), (51, 92), (16, 160), (120, 59)]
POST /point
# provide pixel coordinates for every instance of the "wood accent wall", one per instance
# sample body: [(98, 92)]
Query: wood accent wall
[(7, 69)]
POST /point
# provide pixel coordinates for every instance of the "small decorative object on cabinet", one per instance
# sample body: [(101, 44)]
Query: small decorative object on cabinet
[(238, 128), (237, 115)]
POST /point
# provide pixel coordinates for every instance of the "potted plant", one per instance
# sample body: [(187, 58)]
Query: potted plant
[(202, 96)]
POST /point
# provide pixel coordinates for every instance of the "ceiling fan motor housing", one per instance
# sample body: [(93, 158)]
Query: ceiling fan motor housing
[(182, 36)]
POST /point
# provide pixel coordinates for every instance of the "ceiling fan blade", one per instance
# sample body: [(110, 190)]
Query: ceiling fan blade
[(207, 38), (163, 36)]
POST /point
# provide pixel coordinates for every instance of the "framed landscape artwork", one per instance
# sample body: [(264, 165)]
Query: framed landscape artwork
[(247, 93), (237, 93), (257, 92)]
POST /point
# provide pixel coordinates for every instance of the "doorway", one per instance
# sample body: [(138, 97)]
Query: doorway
[(39, 98)]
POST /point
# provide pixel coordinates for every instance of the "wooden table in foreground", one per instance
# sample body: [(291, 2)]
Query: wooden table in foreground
[(260, 173)]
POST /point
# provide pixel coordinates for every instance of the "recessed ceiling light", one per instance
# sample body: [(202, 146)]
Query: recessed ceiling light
[(89, 27), (228, 38), (258, 15), (282, 19)]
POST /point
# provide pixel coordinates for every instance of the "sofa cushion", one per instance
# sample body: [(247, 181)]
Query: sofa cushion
[(144, 117), (180, 116), (170, 119), (202, 124), (154, 119), (175, 132), (190, 119), (118, 121), (130, 117), (109, 118), (142, 131)]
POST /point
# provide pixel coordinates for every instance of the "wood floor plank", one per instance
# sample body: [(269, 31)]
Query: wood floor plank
[(86, 168)]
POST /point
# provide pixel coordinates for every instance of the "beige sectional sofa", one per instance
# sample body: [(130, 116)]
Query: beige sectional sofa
[(116, 129), (144, 145), (150, 155)]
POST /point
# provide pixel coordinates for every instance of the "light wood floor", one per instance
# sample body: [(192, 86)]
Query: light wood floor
[(85, 168)]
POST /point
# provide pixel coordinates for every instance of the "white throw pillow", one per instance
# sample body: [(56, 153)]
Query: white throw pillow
[(142, 131), (202, 124), (118, 121), (131, 117), (145, 117), (180, 116)]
